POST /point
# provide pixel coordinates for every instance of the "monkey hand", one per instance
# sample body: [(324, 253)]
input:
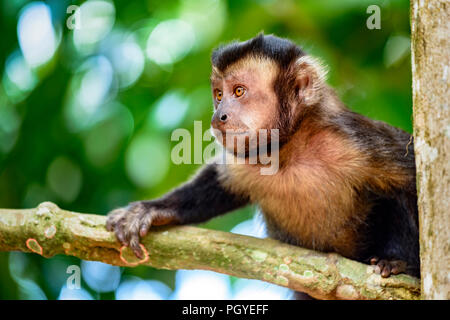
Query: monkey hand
[(132, 222)]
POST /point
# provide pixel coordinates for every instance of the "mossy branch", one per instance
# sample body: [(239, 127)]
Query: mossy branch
[(49, 230)]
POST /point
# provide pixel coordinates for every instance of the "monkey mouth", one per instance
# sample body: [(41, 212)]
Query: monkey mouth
[(223, 133), (237, 133), (233, 136)]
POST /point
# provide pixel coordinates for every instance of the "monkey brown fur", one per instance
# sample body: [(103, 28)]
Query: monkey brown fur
[(345, 183)]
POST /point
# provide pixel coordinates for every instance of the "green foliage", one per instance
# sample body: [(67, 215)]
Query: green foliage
[(89, 127)]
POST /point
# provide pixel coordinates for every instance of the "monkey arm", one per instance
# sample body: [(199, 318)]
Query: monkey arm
[(200, 199)]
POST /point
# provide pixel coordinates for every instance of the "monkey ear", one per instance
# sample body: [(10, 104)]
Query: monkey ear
[(310, 79)]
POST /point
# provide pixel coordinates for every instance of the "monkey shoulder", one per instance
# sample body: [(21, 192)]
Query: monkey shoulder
[(368, 132)]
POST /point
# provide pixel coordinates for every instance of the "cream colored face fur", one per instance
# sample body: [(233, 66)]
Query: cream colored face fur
[(257, 108)]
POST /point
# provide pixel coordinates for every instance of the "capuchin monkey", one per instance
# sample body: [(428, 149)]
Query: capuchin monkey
[(345, 183)]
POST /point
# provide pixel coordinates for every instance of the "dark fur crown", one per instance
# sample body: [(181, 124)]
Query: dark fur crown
[(280, 50)]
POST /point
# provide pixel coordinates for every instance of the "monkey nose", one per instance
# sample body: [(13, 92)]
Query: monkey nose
[(219, 120), (223, 117)]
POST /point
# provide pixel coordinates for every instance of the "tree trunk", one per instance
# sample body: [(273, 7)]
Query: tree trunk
[(430, 31)]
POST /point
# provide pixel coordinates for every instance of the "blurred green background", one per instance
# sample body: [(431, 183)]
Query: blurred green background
[(86, 115)]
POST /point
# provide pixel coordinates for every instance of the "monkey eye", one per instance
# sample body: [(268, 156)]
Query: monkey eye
[(218, 95), (239, 91)]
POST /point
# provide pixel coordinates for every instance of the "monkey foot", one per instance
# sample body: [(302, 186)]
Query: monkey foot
[(388, 267)]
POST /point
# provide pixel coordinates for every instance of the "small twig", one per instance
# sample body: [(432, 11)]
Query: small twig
[(407, 146)]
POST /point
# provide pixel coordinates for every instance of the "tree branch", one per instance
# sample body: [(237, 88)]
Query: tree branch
[(49, 230)]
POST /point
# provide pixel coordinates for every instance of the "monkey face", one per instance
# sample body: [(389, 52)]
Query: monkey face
[(245, 102)]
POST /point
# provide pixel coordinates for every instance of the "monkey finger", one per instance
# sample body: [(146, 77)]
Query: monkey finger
[(374, 260), (109, 226), (386, 271), (121, 237), (146, 223), (135, 246), (118, 229), (114, 218), (111, 222), (380, 266)]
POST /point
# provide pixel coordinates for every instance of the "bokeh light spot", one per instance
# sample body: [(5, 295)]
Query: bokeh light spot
[(252, 227), (170, 110), (249, 289), (102, 143), (95, 84), (196, 285), (138, 289), (64, 178), (97, 20), (74, 294), (37, 38), (207, 18), (170, 41), (9, 127), (396, 48), (100, 276), (128, 60), (18, 79), (147, 160), (90, 88)]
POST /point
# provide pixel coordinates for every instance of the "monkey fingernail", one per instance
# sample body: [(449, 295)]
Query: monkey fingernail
[(386, 272), (136, 247), (138, 252), (143, 232), (109, 225), (122, 239)]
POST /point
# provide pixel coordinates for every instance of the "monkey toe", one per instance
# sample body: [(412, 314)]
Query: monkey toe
[(388, 267), (374, 260), (398, 266)]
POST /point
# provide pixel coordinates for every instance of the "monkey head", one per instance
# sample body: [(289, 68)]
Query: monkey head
[(259, 85)]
